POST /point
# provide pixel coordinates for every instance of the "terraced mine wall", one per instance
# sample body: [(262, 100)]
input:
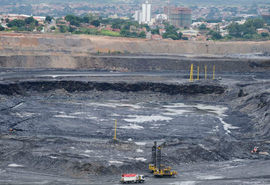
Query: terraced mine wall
[(80, 52), (131, 63), (21, 42)]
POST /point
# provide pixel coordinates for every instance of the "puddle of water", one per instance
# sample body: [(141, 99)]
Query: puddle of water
[(85, 155), (15, 165), (227, 126), (142, 119), (210, 177), (114, 105), (140, 159), (116, 162), (175, 112), (174, 108), (140, 143), (177, 109), (88, 151), (183, 183)]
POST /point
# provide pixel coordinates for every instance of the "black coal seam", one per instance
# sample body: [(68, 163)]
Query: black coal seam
[(73, 86)]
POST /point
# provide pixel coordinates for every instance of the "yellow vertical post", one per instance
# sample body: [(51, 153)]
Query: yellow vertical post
[(115, 129), (205, 72), (191, 73), (214, 72), (198, 73)]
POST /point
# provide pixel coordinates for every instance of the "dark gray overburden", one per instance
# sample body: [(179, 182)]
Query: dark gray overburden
[(63, 122)]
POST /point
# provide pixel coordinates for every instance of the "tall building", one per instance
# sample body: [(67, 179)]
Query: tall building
[(146, 13), (180, 17), (167, 9), (138, 16)]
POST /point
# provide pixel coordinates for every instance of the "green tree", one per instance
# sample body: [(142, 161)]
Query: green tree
[(247, 36), (69, 18), (123, 32), (210, 32), (16, 23), (86, 19), (142, 34), (155, 31), (265, 34), (96, 23), (171, 32), (146, 26), (63, 29), (39, 28), (256, 23), (71, 29), (48, 18), (53, 28), (75, 23), (236, 29), (249, 30), (30, 20), (202, 27), (216, 36), (1, 28), (116, 26)]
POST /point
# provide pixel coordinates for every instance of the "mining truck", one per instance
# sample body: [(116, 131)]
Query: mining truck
[(132, 178), (156, 167)]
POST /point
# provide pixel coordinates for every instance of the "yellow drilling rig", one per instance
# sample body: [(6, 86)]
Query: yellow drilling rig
[(156, 167)]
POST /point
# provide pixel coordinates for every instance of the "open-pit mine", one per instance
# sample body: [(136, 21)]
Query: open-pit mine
[(61, 95)]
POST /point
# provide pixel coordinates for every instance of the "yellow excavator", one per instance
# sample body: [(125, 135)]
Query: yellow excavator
[(156, 167)]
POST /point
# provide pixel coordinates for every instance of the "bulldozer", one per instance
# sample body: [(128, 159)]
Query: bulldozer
[(156, 167)]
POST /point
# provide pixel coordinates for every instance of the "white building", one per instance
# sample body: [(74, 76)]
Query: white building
[(162, 16), (146, 13), (138, 16)]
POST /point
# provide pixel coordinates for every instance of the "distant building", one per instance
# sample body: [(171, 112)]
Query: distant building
[(261, 30), (161, 17), (40, 18), (146, 13), (189, 33), (180, 17), (138, 16), (167, 11), (162, 31), (115, 16)]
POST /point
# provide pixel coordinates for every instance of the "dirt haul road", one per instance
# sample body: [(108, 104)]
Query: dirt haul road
[(63, 125)]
